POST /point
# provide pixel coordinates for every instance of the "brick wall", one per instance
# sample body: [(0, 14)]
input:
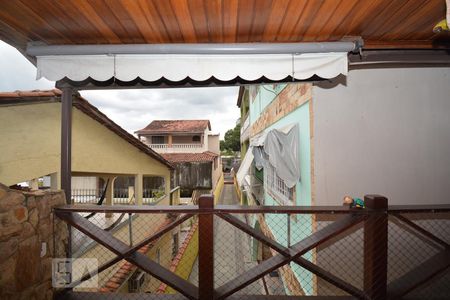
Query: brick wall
[(291, 97), (26, 242)]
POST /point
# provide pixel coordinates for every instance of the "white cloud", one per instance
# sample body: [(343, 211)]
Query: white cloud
[(133, 109)]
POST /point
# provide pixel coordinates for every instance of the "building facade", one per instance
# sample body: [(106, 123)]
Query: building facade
[(353, 139), (30, 121), (191, 147)]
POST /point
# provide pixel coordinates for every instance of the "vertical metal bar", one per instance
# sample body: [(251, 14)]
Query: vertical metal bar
[(66, 141), (206, 248), (66, 152), (130, 229), (375, 247), (289, 230)]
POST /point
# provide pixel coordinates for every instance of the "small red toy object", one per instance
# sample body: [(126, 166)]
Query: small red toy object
[(357, 202)]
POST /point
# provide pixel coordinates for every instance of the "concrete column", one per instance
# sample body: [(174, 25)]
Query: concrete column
[(169, 140), (138, 188), (33, 184), (54, 182)]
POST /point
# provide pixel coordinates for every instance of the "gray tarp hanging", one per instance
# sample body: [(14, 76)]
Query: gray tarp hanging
[(280, 148)]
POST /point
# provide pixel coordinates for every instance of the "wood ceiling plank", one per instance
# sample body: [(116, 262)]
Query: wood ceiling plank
[(424, 27), (392, 16), (344, 8), (98, 22), (275, 19), (199, 20), (107, 17), (245, 20), (133, 35), (154, 20), (213, 10), (356, 18), (230, 20), (326, 11), (426, 31), (171, 25), (138, 11), (310, 13), (293, 14), (19, 15), (263, 9), (409, 25), (14, 37), (81, 29), (183, 15), (47, 9)]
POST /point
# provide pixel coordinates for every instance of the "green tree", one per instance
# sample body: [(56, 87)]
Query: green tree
[(232, 140)]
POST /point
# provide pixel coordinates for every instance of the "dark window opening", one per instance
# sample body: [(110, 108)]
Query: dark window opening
[(158, 139)]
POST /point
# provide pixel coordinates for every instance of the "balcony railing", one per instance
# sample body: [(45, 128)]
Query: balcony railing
[(379, 252), (193, 147)]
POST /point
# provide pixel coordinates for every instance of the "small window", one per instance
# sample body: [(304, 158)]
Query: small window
[(276, 187), (158, 256), (196, 138), (175, 245), (158, 139)]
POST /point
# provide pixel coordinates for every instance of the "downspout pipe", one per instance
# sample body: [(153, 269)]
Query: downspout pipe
[(205, 49)]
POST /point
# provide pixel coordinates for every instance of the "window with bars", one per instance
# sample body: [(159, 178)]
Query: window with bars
[(276, 187)]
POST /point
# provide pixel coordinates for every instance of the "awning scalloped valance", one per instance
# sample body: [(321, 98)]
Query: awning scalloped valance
[(176, 67)]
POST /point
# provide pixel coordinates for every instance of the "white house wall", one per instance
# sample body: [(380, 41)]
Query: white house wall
[(384, 131)]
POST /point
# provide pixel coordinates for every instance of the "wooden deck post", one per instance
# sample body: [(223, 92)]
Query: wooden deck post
[(375, 247), (206, 248)]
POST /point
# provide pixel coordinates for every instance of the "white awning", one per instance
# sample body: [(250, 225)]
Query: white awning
[(244, 169), (176, 67)]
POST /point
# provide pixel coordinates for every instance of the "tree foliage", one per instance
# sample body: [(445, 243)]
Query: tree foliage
[(232, 140)]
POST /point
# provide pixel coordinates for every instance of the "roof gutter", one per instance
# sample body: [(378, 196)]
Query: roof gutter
[(207, 49)]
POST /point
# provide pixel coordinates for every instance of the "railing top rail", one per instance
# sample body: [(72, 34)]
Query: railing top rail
[(250, 209), (217, 209), (174, 189), (419, 208)]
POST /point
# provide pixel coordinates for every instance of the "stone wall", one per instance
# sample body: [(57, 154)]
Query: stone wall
[(26, 242)]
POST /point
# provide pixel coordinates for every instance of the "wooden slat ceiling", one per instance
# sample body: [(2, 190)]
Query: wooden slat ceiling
[(381, 23)]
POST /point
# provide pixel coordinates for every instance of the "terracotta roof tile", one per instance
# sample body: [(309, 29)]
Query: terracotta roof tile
[(206, 156), (176, 126), (121, 275), (181, 251), (83, 105), (31, 93)]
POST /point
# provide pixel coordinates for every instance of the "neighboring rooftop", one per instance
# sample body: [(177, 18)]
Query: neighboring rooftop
[(190, 157), (176, 126), (54, 95)]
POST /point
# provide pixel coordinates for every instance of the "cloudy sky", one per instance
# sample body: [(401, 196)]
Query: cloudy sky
[(133, 109)]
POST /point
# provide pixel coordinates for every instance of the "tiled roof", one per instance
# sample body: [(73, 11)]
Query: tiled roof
[(176, 126), (126, 269), (190, 157), (37, 96), (177, 259)]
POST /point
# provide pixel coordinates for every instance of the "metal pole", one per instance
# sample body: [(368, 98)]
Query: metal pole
[(66, 153), (218, 49), (130, 229), (66, 142), (289, 230)]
